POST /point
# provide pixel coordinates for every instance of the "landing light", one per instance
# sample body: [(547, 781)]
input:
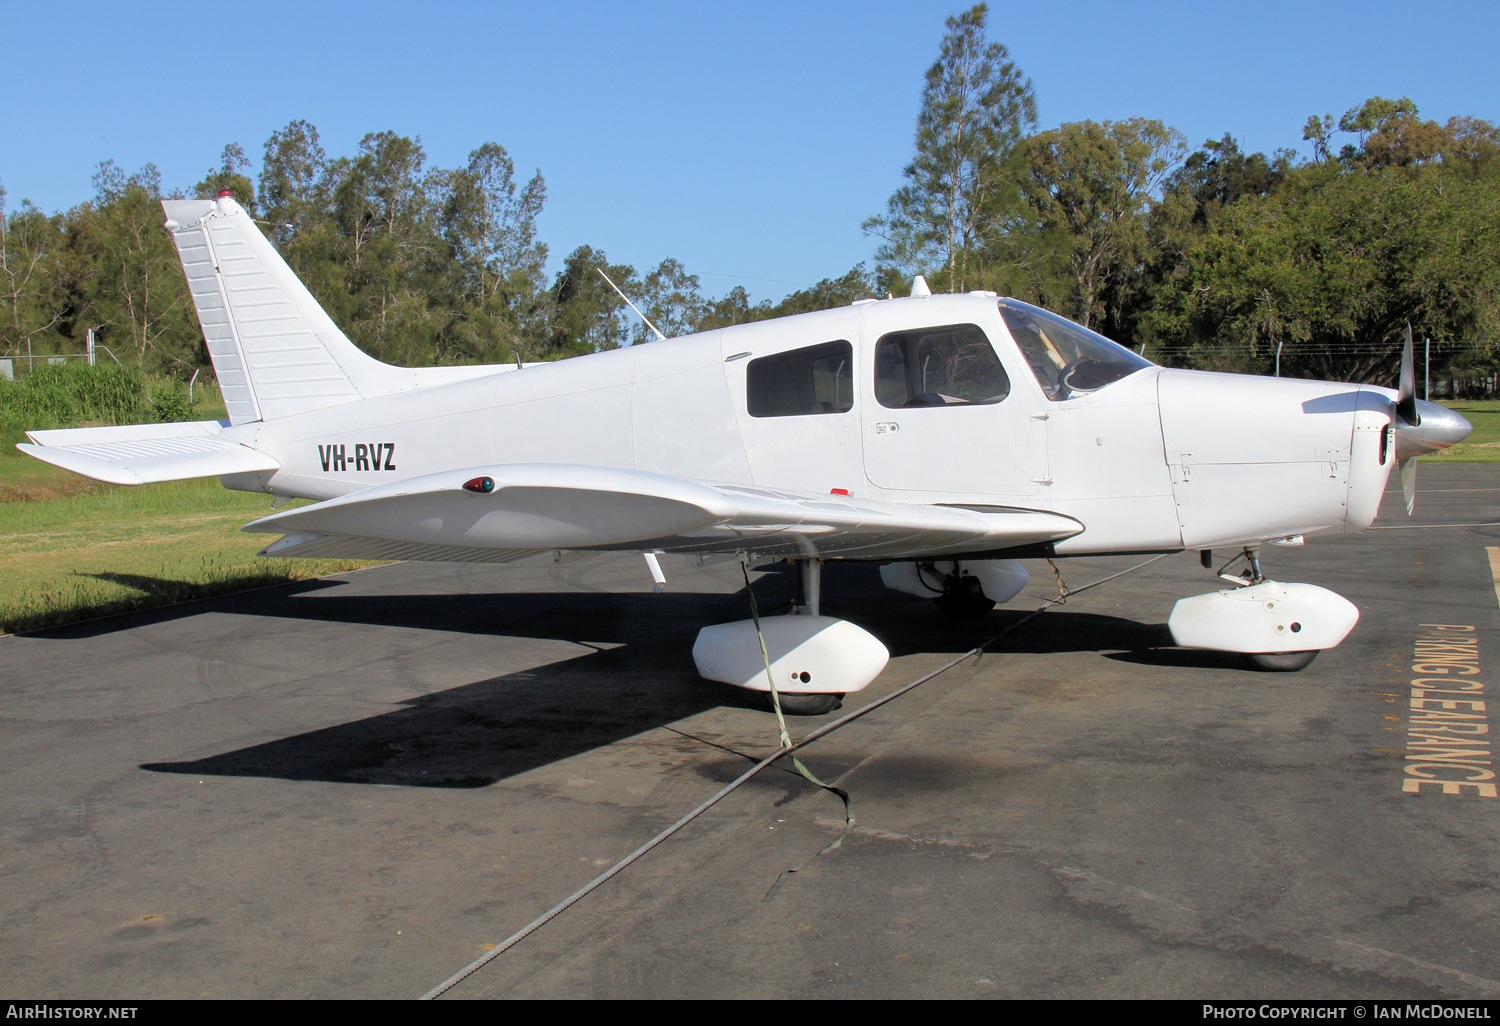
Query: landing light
[(480, 485)]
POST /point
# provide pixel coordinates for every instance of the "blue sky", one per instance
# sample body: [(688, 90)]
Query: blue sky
[(747, 140)]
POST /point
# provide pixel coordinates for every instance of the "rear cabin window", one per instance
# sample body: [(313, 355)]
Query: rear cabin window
[(948, 366), (802, 382)]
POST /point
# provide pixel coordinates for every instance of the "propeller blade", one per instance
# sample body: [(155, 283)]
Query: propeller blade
[(1406, 391), (1409, 483)]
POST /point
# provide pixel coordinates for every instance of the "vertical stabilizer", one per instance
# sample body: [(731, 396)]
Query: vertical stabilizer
[(275, 351)]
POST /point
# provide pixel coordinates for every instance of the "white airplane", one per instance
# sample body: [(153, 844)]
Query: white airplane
[(940, 436)]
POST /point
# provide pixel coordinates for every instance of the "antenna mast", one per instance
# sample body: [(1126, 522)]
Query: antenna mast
[(632, 306)]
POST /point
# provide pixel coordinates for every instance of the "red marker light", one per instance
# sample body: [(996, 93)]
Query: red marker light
[(838, 491), (480, 485), (226, 193)]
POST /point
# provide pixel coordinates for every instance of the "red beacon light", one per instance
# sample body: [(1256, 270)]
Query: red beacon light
[(226, 194), (480, 485)]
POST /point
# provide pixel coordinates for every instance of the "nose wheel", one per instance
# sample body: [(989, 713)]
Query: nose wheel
[(1279, 662), (807, 705), (1259, 618)]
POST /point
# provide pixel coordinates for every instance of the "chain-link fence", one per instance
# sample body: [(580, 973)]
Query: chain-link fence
[(1445, 369)]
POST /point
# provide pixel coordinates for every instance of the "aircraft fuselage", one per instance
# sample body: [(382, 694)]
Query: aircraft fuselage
[(1158, 460)]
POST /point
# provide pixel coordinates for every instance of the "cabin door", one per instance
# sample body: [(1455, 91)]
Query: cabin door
[(944, 415)]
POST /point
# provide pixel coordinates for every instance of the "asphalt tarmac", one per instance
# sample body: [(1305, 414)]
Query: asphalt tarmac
[(354, 787)]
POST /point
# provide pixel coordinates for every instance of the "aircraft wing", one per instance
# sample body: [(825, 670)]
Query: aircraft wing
[(539, 507)]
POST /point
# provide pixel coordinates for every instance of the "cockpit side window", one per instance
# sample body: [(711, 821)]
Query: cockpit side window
[(1067, 359), (953, 365), (811, 380)]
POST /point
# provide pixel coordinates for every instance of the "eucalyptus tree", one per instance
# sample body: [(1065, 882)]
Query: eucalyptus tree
[(292, 180), (30, 242), (122, 275), (856, 283), (670, 296), (976, 107), (390, 263), (500, 262), (1089, 187), (588, 316), (230, 175)]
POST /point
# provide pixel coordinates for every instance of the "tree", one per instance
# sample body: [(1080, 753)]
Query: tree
[(670, 297), (1473, 143), (494, 229), (589, 316), (976, 105), (122, 276), (1334, 263), (29, 245), (1219, 173), (1090, 187), (384, 262), (856, 283), (1390, 133), (1318, 131), (230, 175), (291, 176), (500, 263)]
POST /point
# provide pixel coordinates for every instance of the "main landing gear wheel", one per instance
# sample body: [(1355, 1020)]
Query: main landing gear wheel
[(807, 705), (1280, 662), (962, 599)]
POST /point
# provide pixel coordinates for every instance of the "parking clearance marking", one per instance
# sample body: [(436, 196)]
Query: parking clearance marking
[(1447, 742)]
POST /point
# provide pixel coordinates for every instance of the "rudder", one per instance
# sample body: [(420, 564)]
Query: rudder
[(276, 352)]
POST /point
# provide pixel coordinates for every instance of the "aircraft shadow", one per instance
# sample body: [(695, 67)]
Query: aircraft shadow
[(190, 604), (641, 678), (1184, 658), (477, 734), (141, 582), (903, 623)]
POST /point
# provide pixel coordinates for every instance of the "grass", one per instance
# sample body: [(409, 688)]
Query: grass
[(71, 554), (23, 479), (1483, 446), (71, 548)]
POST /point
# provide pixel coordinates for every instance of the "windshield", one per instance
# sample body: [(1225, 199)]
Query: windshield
[(1068, 359)]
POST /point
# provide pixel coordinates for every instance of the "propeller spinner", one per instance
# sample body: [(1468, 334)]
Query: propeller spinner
[(1421, 427)]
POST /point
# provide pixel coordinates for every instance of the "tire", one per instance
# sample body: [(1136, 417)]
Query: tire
[(963, 600), (807, 705), (1280, 662)]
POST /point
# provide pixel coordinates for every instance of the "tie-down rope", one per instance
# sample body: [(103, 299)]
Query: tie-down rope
[(786, 747)]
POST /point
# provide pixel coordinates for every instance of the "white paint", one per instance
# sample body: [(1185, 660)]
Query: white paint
[(1266, 617), (834, 656)]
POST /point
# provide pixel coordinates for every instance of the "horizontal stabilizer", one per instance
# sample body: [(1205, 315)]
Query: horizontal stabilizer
[(508, 511), (146, 453)]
